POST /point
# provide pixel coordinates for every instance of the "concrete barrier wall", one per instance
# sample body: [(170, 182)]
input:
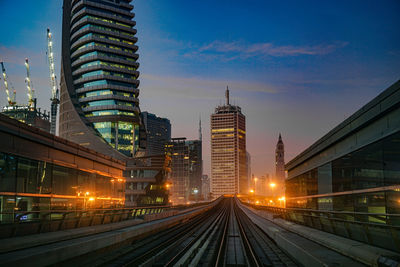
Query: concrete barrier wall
[(359, 252), (52, 248)]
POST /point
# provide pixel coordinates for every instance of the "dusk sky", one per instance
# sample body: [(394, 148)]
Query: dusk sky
[(295, 67)]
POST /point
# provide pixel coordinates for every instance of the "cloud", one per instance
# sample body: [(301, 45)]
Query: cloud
[(195, 87), (229, 51), (17, 55)]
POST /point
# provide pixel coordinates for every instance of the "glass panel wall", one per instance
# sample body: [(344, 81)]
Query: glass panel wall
[(8, 171), (29, 187), (373, 166)]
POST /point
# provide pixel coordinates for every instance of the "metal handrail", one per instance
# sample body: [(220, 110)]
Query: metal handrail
[(353, 226), (47, 214), (323, 211), (331, 215)]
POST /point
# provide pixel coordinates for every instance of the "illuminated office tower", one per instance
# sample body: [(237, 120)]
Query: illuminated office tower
[(228, 150), (99, 106)]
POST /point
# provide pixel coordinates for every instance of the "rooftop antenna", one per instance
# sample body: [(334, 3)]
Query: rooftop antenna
[(227, 96)]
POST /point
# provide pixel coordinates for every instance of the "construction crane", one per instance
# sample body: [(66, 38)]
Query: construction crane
[(31, 100), (53, 83), (10, 100)]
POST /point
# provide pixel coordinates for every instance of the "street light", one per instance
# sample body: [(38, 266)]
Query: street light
[(282, 201), (272, 185)]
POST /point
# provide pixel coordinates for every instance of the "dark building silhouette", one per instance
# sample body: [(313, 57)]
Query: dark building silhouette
[(178, 151), (31, 116), (158, 132), (186, 169), (195, 169)]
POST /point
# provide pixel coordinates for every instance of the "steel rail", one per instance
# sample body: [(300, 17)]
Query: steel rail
[(269, 253), (251, 255), (202, 235), (214, 237), (221, 249), (181, 232)]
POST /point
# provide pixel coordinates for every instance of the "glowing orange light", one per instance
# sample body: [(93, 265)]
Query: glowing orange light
[(87, 193), (91, 199), (251, 191), (257, 202), (272, 185)]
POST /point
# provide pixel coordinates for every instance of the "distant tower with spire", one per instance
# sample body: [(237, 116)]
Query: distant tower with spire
[(280, 163), (200, 134)]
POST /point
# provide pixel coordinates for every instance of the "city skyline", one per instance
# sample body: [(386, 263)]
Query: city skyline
[(298, 163), (341, 65)]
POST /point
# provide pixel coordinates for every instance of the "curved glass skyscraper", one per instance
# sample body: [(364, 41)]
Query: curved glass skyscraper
[(99, 79)]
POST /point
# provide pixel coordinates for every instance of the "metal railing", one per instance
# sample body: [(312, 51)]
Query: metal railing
[(376, 229), (18, 223)]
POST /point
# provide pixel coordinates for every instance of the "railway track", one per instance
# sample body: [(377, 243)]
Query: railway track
[(225, 235), (222, 236)]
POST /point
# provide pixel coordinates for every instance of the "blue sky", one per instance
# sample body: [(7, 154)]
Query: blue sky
[(295, 67)]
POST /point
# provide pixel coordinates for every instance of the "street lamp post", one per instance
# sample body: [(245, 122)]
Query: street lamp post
[(272, 185)]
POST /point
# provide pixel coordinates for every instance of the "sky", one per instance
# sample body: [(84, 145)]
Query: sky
[(298, 68)]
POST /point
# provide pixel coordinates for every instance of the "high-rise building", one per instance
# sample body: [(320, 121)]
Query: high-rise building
[(205, 186), (195, 169), (158, 133), (186, 169), (261, 186), (228, 150), (178, 151), (280, 167), (248, 163), (99, 106)]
